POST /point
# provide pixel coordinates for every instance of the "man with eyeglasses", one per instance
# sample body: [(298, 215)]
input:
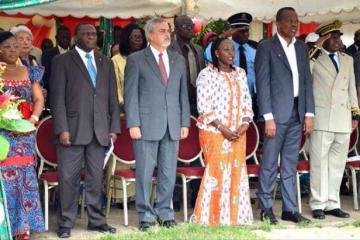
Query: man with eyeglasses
[(193, 54), (194, 59)]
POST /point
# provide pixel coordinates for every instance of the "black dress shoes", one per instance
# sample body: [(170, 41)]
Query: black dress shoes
[(294, 217), (167, 223), (144, 226), (337, 212), (267, 214), (64, 233), (318, 214), (102, 228)]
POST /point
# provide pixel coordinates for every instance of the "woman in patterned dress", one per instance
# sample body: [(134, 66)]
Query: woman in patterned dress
[(225, 111), (18, 169)]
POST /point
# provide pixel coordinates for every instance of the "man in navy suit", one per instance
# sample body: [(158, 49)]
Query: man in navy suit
[(286, 102)]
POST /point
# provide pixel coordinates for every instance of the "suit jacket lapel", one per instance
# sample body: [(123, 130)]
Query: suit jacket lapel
[(98, 61), (326, 62), (172, 58), (79, 62), (150, 58), (280, 51)]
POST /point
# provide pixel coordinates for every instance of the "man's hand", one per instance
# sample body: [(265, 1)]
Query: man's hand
[(270, 128), (135, 133), (65, 139), (113, 137), (319, 43), (308, 125), (354, 124), (184, 132)]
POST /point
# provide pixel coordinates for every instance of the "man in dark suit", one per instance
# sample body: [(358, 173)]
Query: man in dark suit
[(354, 48), (86, 114), (286, 102), (158, 116), (63, 39)]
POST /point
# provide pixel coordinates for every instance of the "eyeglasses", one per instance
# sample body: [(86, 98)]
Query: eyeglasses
[(186, 26), (136, 37)]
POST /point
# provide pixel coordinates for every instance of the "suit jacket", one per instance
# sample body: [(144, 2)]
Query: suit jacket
[(334, 93), (274, 81), (46, 59), (151, 105), (77, 106), (351, 50)]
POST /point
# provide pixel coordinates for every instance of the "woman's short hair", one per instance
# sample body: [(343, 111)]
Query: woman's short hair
[(124, 40), (149, 26), (21, 28)]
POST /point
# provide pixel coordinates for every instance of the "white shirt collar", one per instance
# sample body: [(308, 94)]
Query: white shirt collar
[(328, 53), (284, 42), (83, 53), (62, 50), (156, 52)]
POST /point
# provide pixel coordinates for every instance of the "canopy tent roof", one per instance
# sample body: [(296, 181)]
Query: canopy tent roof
[(263, 10)]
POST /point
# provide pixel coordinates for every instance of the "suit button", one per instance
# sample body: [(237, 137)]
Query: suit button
[(94, 95)]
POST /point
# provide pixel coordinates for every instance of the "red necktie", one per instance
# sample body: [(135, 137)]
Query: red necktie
[(162, 69)]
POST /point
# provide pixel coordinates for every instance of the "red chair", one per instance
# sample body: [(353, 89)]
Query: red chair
[(354, 166), (46, 151), (123, 152), (252, 144), (190, 151), (303, 167)]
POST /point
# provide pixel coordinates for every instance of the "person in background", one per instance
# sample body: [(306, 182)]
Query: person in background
[(354, 48), (194, 59), (335, 100), (25, 38), (46, 44), (132, 39), (63, 39), (115, 49), (85, 112), (117, 30), (225, 112), (18, 170), (158, 116), (286, 103)]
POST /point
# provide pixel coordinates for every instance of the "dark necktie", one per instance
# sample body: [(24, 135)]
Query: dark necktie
[(162, 69), (332, 57), (242, 58)]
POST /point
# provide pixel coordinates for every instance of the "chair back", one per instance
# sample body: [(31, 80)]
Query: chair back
[(45, 147), (252, 141), (354, 137), (123, 146), (189, 148)]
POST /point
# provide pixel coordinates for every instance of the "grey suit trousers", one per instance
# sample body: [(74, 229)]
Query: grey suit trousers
[(286, 143), (69, 167), (148, 155)]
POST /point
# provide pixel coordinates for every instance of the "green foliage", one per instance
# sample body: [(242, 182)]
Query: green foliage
[(217, 26), (4, 147)]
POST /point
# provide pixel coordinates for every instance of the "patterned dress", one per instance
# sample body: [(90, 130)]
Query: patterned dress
[(224, 195), (18, 170)]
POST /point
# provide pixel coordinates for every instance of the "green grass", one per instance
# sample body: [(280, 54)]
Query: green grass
[(356, 223), (189, 231)]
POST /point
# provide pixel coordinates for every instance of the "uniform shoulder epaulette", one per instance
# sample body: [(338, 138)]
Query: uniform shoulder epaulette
[(314, 53)]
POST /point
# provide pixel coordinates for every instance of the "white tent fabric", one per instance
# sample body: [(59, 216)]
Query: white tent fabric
[(263, 10), (103, 8)]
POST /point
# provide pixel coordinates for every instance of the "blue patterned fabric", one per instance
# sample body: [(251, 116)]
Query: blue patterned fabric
[(19, 180)]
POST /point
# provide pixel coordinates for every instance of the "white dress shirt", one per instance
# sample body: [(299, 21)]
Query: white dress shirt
[(165, 58), (336, 57), (62, 50), (82, 54), (290, 53)]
